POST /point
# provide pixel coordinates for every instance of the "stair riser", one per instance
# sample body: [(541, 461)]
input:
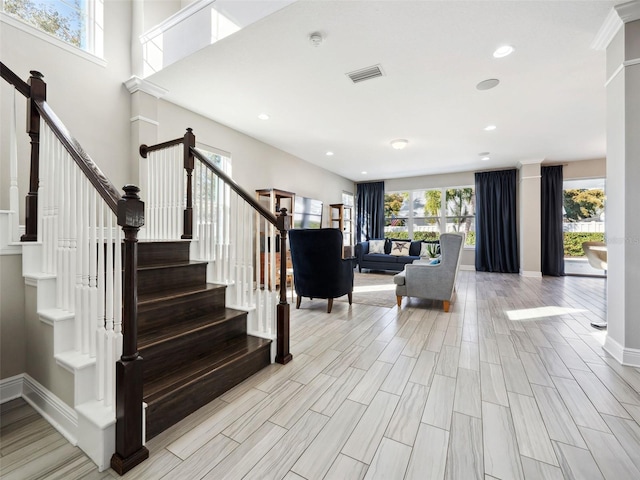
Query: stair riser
[(161, 253), (178, 351), (164, 312), (161, 415), (169, 277)]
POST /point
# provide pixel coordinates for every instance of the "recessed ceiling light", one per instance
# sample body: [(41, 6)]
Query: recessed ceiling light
[(485, 158), (329, 154), (263, 116), (399, 143), (488, 128), (363, 173), (503, 51), (488, 84)]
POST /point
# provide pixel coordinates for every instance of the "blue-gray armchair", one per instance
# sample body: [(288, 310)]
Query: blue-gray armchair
[(435, 282), (319, 271)]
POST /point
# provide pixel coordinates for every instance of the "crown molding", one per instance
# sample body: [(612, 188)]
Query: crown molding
[(137, 84), (531, 161), (618, 16), (629, 12), (607, 31)]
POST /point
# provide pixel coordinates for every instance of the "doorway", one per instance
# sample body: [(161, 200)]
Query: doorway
[(583, 221)]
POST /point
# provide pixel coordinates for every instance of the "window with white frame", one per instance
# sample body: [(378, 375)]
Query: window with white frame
[(75, 22), (425, 214)]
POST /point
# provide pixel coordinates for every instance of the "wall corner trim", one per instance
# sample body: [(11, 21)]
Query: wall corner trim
[(137, 84), (624, 356)]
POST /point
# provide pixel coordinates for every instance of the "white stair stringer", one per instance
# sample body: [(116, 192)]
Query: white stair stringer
[(90, 424)]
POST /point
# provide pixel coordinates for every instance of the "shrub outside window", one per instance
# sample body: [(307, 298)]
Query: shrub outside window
[(424, 214)]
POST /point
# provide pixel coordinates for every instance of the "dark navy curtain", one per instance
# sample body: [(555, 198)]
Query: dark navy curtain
[(369, 211), (496, 229), (551, 204)]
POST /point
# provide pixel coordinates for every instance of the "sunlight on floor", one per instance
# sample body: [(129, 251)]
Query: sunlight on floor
[(540, 312)]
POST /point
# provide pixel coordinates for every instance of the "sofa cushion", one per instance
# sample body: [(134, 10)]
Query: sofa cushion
[(414, 248), (400, 248), (376, 246), (407, 259), (377, 257)]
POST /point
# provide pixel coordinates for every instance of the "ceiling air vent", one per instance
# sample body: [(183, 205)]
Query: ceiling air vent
[(366, 74)]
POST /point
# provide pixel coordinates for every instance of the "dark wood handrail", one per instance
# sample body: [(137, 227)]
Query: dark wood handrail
[(247, 197), (19, 84), (100, 182), (146, 149)]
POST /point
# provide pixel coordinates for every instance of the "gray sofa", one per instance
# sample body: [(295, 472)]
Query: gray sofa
[(434, 282), (386, 261)]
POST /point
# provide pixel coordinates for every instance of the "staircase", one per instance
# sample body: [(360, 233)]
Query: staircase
[(194, 349)]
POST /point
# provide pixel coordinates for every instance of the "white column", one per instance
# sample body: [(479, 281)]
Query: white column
[(529, 247), (621, 36)]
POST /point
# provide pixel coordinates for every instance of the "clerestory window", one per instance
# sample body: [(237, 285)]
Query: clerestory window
[(75, 22)]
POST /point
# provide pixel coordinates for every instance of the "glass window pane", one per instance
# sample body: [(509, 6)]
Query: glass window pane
[(426, 203), (466, 225), (62, 19), (426, 228), (461, 201)]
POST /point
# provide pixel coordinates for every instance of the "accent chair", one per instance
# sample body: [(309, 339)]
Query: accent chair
[(319, 271), (425, 279)]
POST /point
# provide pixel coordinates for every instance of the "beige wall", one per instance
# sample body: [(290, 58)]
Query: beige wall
[(585, 169), (12, 325)]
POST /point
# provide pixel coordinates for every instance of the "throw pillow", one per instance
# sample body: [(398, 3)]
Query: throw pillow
[(400, 248), (376, 246)]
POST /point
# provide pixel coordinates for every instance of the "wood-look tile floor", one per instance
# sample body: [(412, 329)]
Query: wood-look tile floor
[(512, 383)]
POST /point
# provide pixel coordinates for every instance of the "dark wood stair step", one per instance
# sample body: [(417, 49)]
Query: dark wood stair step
[(184, 389), (161, 278), (171, 347), (156, 309), (153, 337), (160, 253)]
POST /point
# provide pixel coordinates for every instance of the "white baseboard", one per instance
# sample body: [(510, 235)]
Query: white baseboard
[(11, 388), (625, 356), (61, 416), (471, 268), (530, 274)]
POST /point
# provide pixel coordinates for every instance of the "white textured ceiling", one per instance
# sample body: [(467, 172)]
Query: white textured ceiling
[(550, 104)]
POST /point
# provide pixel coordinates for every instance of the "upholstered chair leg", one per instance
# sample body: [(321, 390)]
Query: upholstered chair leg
[(298, 300), (350, 296), (446, 304), (329, 305), (399, 300)]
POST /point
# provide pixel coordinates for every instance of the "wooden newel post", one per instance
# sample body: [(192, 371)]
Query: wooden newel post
[(38, 92), (189, 142), (130, 450), (282, 341)]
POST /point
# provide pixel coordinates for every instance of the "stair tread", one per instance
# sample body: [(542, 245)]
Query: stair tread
[(171, 265), (151, 297), (157, 335), (236, 348)]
